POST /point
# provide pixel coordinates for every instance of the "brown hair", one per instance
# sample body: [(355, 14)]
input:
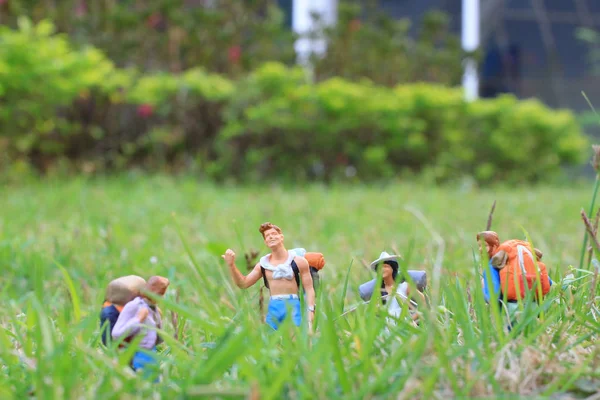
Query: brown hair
[(266, 226), (490, 237), (157, 284)]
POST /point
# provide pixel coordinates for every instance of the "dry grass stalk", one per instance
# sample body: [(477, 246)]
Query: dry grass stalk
[(175, 317), (590, 229), (251, 257), (592, 298), (596, 157), (592, 232), (591, 248), (489, 221)]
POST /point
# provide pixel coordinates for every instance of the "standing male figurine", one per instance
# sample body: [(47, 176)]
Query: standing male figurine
[(280, 268), (139, 317)]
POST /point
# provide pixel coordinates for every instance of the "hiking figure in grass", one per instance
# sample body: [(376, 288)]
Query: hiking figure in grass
[(140, 317), (282, 272), (390, 276), (511, 265), (119, 292)]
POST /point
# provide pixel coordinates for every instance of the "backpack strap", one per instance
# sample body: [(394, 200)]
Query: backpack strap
[(296, 273), (264, 277), (294, 268)]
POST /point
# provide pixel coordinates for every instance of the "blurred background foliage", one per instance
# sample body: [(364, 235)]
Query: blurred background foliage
[(211, 87)]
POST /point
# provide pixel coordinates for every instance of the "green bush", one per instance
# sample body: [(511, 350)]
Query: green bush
[(279, 123), (61, 105), (73, 109), (367, 42), (233, 37), (39, 74)]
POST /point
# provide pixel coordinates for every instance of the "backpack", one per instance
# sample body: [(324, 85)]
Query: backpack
[(118, 293), (515, 261), (316, 262)]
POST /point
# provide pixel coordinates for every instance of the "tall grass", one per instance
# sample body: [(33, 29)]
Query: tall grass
[(61, 243)]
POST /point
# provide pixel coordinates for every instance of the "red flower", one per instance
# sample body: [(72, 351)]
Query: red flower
[(235, 52), (145, 110), (80, 10), (154, 20), (341, 159), (354, 25)]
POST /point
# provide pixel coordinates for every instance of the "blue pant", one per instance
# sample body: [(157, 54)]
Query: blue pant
[(278, 310), (146, 362)]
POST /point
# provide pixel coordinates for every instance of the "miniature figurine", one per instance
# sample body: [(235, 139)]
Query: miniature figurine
[(507, 260), (119, 292), (278, 271), (389, 280), (139, 317)]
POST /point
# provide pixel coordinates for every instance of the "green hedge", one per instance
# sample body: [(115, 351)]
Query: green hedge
[(73, 109)]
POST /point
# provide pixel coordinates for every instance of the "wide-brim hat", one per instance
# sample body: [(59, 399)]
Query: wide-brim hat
[(384, 256)]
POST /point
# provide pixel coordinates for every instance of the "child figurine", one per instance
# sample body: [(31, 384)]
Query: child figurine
[(390, 275), (140, 313), (278, 270), (119, 292)]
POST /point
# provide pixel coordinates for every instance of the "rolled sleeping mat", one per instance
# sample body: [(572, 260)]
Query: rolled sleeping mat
[(122, 290), (315, 259), (419, 277)]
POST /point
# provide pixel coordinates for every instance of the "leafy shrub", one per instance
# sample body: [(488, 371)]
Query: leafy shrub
[(336, 127), (73, 109), (227, 36), (40, 73), (367, 42), (233, 37)]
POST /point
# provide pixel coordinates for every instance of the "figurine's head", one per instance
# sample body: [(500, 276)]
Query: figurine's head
[(390, 270), (390, 266), (272, 235), (157, 285), (538, 254), (491, 241)]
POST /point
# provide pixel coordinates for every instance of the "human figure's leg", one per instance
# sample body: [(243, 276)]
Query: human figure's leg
[(296, 311), (275, 313), (147, 362)]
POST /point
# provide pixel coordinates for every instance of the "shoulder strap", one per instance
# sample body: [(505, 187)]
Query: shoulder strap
[(296, 273), (294, 268), (264, 277)]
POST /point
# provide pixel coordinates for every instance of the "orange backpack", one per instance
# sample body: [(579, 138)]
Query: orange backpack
[(519, 268)]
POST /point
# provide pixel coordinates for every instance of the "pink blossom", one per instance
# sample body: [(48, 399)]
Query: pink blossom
[(354, 25), (154, 20), (80, 10), (235, 53), (145, 110)]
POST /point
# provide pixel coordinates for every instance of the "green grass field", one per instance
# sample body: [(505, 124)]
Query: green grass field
[(62, 242)]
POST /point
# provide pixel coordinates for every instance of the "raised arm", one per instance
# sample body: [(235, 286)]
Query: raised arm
[(241, 281)]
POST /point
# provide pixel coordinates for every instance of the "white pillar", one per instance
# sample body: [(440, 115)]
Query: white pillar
[(470, 42), (302, 24)]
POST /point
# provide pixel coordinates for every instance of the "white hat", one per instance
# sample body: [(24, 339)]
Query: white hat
[(384, 256)]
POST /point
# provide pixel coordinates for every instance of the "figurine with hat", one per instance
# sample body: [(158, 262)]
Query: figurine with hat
[(392, 278)]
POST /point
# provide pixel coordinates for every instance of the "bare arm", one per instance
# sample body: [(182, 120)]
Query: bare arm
[(307, 283), (241, 281)]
